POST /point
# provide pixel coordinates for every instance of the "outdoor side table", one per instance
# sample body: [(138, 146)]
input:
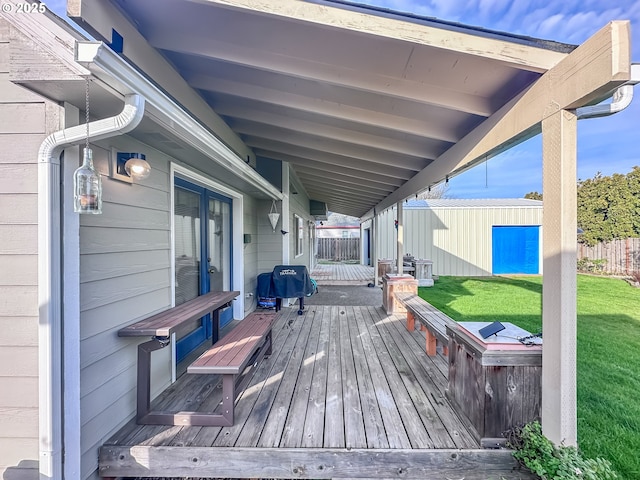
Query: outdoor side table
[(496, 382)]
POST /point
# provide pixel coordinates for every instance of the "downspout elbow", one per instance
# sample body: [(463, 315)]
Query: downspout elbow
[(128, 119), (622, 98)]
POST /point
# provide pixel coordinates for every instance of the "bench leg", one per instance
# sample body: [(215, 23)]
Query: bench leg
[(228, 397), (431, 344), (144, 377), (411, 321)]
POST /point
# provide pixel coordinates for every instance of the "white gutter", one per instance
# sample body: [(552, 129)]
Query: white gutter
[(117, 73), (621, 99), (50, 364)]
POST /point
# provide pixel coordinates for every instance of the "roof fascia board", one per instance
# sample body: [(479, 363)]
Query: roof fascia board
[(586, 76), (101, 17), (114, 71), (521, 56)]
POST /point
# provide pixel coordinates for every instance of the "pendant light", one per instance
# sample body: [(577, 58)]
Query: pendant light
[(273, 215), (87, 184)]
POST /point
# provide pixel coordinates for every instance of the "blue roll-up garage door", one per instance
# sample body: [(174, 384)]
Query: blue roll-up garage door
[(516, 249)]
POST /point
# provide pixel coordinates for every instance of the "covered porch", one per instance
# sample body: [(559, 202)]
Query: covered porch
[(348, 392)]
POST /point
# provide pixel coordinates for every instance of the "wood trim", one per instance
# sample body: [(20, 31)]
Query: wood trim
[(221, 462), (522, 56)]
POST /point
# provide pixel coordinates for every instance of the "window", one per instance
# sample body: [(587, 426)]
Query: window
[(299, 223)]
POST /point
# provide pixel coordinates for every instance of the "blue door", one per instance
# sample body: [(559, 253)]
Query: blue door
[(516, 249), (203, 253)]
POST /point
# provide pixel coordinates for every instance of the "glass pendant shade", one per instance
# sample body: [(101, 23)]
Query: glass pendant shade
[(137, 168), (87, 186), (273, 215)]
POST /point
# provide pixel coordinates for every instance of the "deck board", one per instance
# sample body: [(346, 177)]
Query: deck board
[(339, 378)]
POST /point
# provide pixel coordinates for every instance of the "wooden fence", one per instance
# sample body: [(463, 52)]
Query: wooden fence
[(339, 249), (618, 257)]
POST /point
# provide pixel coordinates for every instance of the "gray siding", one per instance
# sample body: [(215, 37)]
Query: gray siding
[(269, 242), (22, 129), (299, 205), (125, 275), (458, 240), (250, 227)]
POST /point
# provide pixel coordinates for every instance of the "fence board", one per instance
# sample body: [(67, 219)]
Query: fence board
[(339, 249), (622, 257)]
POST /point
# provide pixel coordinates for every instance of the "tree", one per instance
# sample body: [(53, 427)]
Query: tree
[(533, 196), (439, 191), (608, 207)]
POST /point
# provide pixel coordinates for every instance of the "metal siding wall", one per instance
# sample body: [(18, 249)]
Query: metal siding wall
[(458, 240)]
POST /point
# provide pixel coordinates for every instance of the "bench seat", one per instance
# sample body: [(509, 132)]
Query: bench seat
[(432, 321), (243, 347), (160, 327)]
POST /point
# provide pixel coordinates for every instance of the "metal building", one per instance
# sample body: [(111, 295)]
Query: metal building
[(468, 237)]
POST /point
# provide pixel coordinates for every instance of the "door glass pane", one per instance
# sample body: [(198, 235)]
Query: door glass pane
[(219, 245), (187, 245)]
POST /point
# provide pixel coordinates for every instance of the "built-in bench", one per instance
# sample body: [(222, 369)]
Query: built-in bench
[(432, 321), (238, 351), (160, 327)]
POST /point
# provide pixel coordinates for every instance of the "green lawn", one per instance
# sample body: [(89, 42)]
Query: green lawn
[(608, 350)]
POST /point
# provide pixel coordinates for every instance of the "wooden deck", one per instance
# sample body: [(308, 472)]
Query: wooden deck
[(343, 274), (347, 393)]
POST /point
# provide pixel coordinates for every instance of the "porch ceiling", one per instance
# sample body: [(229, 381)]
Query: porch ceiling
[(358, 100)]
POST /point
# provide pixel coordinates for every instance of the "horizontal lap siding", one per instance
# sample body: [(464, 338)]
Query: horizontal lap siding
[(250, 227), (20, 139), (125, 275)]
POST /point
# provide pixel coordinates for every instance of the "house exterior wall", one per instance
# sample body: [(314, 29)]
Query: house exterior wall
[(25, 121), (125, 275), (457, 240), (299, 205)]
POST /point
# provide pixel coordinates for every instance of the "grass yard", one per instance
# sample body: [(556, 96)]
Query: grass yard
[(608, 350)]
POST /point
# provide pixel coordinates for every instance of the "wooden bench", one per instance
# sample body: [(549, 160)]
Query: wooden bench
[(238, 351), (432, 321), (183, 318)]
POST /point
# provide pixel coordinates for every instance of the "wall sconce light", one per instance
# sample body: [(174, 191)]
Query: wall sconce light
[(129, 166), (273, 215)]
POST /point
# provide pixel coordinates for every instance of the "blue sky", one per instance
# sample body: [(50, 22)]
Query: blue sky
[(608, 145)]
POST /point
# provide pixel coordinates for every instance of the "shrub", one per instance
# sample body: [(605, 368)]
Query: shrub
[(549, 462)]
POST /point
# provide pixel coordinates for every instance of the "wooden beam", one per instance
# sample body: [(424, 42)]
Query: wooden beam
[(595, 68), (374, 136), (315, 142), (507, 52), (308, 163), (334, 75), (325, 107), (340, 178), (125, 461), (337, 181), (559, 324), (332, 158)]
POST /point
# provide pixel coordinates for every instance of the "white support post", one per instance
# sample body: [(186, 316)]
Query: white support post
[(559, 317), (400, 252)]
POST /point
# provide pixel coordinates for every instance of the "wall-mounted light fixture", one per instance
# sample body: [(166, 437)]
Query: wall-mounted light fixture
[(128, 166)]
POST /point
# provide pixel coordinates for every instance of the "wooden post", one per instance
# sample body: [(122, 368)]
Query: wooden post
[(559, 421), (400, 251)]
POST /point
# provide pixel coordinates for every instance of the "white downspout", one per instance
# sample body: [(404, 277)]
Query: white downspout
[(50, 365), (621, 99)]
